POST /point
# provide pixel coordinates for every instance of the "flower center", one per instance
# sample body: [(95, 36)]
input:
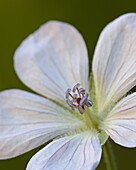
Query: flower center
[(78, 99)]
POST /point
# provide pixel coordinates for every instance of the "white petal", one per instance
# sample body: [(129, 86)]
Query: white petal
[(79, 152), (28, 120), (120, 124), (53, 59), (114, 64)]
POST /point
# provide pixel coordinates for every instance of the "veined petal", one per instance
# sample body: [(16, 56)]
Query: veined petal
[(120, 124), (114, 63), (81, 151), (28, 120), (53, 59)]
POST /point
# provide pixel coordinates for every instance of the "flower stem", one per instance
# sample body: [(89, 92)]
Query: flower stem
[(109, 157)]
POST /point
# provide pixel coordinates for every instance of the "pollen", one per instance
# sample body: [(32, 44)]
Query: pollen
[(77, 98)]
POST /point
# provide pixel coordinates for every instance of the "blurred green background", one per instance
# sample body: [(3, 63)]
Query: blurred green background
[(18, 18)]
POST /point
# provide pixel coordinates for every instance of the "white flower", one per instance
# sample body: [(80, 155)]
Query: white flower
[(50, 61)]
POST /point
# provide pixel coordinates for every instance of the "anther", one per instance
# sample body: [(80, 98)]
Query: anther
[(69, 102), (67, 92), (82, 91), (89, 103), (84, 100), (75, 87)]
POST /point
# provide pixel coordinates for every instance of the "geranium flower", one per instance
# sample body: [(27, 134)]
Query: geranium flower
[(53, 62)]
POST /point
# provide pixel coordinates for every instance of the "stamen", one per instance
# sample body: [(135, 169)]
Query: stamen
[(69, 102), (84, 100), (67, 92), (75, 87), (89, 103), (79, 100), (71, 96), (82, 91)]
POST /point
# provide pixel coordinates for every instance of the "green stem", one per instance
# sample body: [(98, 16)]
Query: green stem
[(109, 157)]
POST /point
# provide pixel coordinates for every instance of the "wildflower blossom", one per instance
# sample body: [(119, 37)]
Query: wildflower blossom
[(53, 61)]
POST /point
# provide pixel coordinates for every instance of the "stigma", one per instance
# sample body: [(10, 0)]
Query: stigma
[(78, 99)]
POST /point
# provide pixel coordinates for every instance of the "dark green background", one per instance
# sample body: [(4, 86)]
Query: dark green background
[(18, 18)]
